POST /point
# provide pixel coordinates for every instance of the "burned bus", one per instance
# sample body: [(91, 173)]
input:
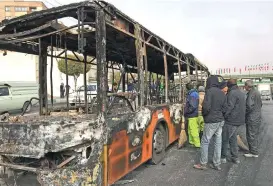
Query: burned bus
[(100, 141)]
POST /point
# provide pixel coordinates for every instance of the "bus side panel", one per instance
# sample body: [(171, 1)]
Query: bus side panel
[(172, 128), (118, 157), (127, 152), (147, 147)]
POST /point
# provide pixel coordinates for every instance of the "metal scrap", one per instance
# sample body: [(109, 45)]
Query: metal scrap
[(19, 167), (11, 119), (66, 162)]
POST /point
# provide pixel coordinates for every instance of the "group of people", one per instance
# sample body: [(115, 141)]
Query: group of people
[(216, 112)]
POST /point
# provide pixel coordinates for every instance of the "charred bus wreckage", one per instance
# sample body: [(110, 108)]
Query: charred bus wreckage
[(101, 141)]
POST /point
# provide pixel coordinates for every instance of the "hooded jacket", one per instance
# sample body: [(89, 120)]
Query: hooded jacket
[(253, 107), (223, 87), (235, 106), (213, 104), (191, 107)]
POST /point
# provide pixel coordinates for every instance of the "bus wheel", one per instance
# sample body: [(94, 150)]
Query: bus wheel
[(159, 145), (27, 103)]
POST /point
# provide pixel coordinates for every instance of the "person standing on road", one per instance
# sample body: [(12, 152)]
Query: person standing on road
[(212, 110), (253, 118), (201, 91), (191, 113), (234, 118), (62, 90)]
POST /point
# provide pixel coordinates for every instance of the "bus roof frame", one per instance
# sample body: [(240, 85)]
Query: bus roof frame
[(29, 28)]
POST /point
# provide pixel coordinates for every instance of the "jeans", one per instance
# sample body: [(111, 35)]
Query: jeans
[(252, 135), (210, 130), (229, 136)]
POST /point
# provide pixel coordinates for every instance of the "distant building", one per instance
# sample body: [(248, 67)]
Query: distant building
[(18, 66), (14, 8)]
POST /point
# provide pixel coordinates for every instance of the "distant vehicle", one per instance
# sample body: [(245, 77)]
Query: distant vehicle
[(265, 91), (15, 96), (265, 94), (77, 97)]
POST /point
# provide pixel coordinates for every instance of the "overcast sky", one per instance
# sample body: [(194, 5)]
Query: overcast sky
[(219, 33)]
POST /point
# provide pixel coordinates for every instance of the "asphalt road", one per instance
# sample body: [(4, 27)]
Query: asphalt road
[(177, 168)]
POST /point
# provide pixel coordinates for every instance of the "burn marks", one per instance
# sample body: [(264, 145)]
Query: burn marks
[(37, 139), (135, 139), (72, 176), (140, 121), (135, 158), (176, 113)]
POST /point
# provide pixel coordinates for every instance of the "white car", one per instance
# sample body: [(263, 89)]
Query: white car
[(77, 97), (265, 95), (17, 95)]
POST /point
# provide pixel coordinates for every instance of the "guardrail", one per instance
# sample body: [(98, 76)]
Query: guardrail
[(269, 75)]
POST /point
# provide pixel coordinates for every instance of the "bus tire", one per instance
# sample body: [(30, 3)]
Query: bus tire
[(159, 144), (27, 103)]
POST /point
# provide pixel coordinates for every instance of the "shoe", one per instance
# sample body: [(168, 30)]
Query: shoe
[(223, 160), (236, 161), (215, 167), (200, 167), (249, 155)]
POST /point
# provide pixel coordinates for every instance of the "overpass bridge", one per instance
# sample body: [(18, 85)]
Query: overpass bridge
[(257, 78), (248, 76)]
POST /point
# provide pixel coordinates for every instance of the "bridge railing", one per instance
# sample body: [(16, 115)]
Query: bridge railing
[(267, 75)]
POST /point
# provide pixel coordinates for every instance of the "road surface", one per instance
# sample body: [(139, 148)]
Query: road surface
[(177, 168)]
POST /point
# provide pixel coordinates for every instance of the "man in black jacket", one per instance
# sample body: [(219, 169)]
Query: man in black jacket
[(253, 118), (234, 117), (212, 111)]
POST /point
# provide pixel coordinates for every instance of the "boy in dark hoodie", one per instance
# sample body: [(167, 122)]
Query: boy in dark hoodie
[(213, 113)]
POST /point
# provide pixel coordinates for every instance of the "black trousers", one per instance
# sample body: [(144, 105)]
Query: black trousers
[(252, 136), (229, 136)]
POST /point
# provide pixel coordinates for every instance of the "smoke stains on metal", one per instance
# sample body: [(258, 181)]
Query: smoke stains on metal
[(136, 141), (135, 155), (140, 121), (176, 113), (46, 134)]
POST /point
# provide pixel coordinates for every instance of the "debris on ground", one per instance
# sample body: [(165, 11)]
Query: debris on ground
[(12, 119), (4, 117), (122, 182)]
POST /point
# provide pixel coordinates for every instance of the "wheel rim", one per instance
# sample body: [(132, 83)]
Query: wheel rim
[(158, 144)]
